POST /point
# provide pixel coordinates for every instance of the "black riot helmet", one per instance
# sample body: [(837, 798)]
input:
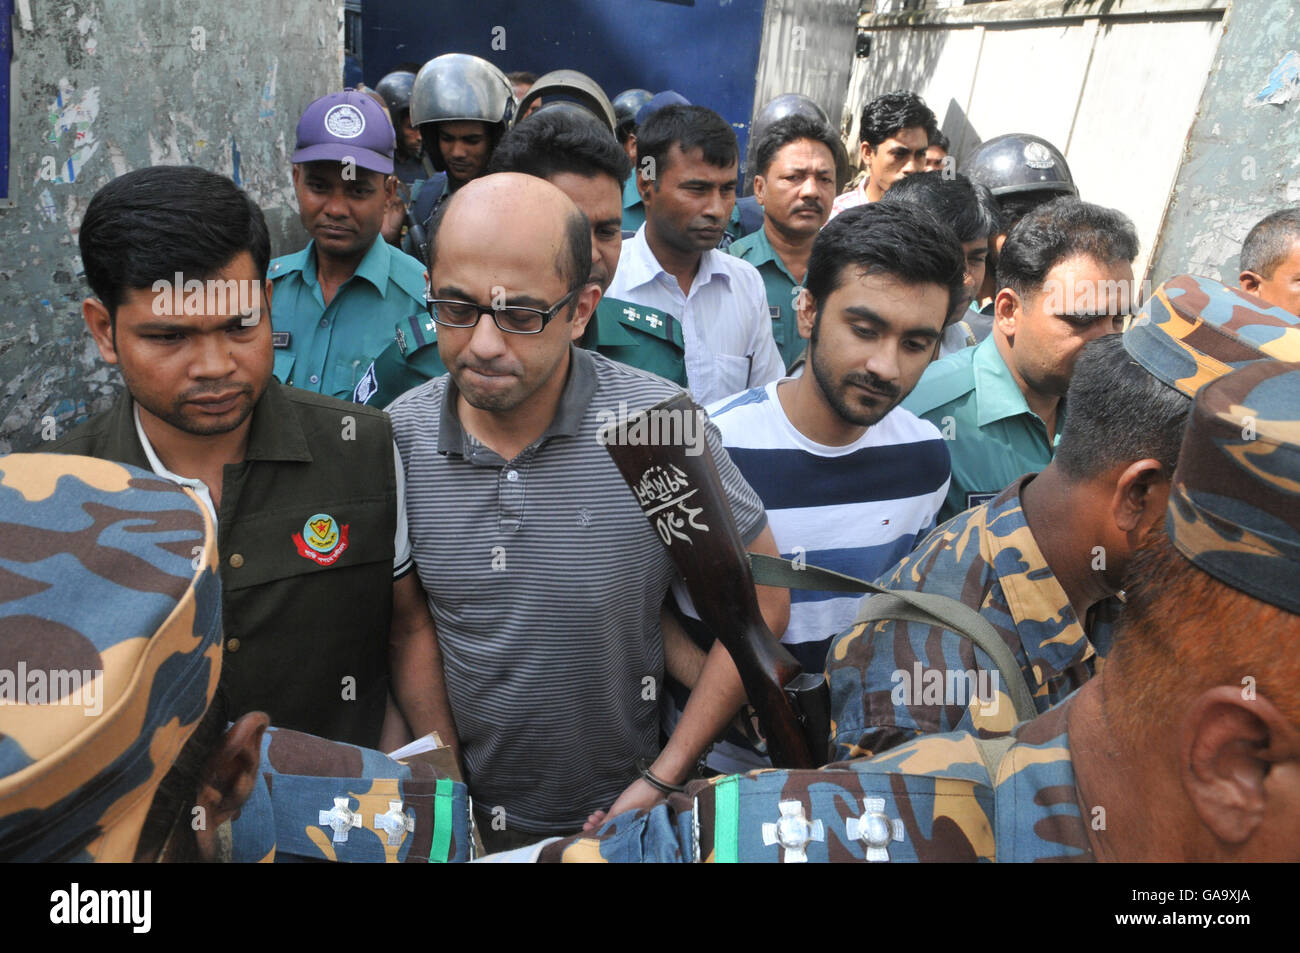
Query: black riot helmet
[(628, 103), (792, 104), (1019, 162), (395, 88), (787, 104), (457, 86)]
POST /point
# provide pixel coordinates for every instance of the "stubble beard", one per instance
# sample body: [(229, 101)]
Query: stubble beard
[(174, 416), (834, 392)]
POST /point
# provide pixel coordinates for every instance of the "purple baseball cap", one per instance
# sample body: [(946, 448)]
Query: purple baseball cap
[(347, 127)]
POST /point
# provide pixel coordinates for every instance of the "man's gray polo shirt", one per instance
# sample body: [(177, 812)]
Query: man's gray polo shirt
[(545, 582)]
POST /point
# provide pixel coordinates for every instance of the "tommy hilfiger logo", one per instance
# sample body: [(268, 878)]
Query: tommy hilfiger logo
[(322, 540)]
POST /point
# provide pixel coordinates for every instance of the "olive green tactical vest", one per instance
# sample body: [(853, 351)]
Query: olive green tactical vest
[(305, 539)]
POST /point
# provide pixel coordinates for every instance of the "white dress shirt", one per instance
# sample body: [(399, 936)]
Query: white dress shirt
[(725, 321)]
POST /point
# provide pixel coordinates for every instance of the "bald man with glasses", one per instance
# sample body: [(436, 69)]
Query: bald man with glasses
[(543, 662)]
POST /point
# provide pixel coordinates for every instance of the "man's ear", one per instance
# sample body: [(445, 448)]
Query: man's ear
[(644, 185), (805, 310), (390, 187), (228, 778), (760, 188), (100, 326), (1229, 744), (587, 299), (267, 288), (865, 152), (297, 174), (1138, 502), (1250, 282), (1006, 311)]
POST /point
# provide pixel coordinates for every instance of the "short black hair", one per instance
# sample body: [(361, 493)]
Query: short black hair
[(521, 76), (554, 141), (1270, 241), (897, 239), (149, 224), (1119, 412), (885, 115), (791, 129), (937, 138), (1062, 229), (574, 268), (950, 198), (690, 127)]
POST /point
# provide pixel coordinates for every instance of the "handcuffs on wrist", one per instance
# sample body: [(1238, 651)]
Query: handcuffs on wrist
[(658, 784)]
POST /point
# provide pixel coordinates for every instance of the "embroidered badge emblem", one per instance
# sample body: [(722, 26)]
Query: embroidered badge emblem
[(322, 540)]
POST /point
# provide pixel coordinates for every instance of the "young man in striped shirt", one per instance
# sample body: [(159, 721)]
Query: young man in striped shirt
[(849, 479)]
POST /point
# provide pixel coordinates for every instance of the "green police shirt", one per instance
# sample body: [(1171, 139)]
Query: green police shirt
[(327, 349), (780, 287), (993, 437), (631, 334)]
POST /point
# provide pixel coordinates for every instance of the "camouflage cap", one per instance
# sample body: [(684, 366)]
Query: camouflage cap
[(1234, 508), (1194, 330), (110, 649)]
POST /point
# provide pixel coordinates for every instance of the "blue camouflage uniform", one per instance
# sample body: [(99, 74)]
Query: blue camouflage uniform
[(110, 656), (942, 798), (986, 557), (1192, 331), (1232, 513)]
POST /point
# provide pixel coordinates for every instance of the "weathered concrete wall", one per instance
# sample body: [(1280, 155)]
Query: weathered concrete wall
[(101, 88), (1114, 84), (1242, 159)]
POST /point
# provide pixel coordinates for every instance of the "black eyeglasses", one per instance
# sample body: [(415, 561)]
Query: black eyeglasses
[(513, 319)]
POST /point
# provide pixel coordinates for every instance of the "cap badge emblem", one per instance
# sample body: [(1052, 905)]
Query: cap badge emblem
[(345, 121)]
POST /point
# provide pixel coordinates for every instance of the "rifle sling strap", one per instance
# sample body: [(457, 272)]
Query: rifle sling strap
[(926, 608)]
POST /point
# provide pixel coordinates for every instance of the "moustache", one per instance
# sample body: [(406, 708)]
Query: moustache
[(213, 391), (813, 206), (875, 383)]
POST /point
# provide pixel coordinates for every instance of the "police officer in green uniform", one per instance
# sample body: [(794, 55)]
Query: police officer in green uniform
[(1067, 277), (337, 299), (794, 182), (571, 149), (303, 488)]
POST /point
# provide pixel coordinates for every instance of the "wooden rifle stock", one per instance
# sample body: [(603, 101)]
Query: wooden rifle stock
[(680, 492)]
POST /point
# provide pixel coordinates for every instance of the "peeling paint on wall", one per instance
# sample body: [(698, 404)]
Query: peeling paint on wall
[(101, 89), (1283, 83), (1239, 164)]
